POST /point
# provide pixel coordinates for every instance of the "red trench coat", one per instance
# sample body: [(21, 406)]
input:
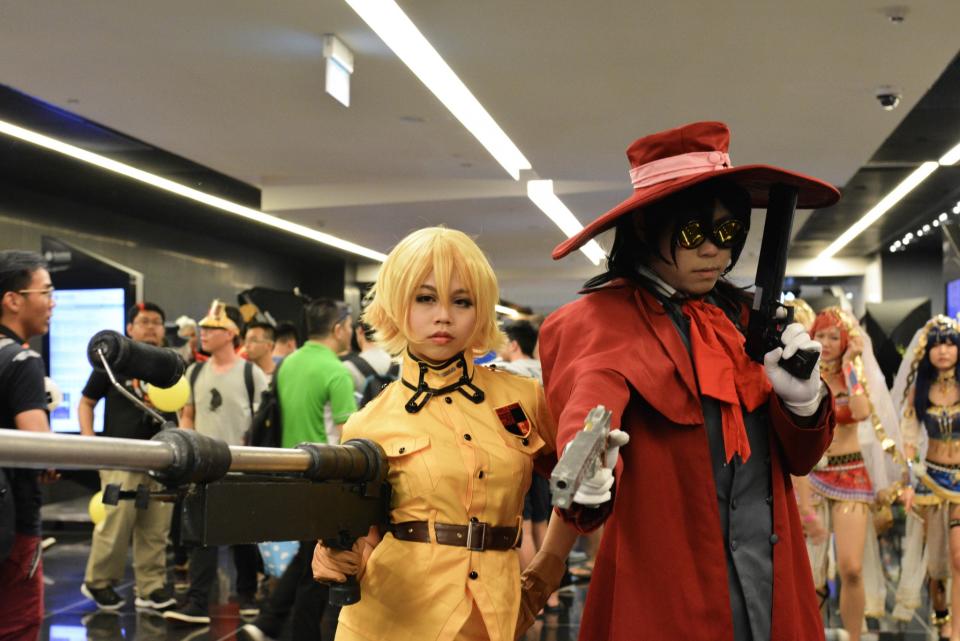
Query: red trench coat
[(661, 569)]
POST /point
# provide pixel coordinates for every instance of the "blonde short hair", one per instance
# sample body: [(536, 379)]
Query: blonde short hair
[(443, 252)]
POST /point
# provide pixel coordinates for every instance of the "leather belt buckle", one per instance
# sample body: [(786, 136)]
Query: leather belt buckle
[(476, 531)]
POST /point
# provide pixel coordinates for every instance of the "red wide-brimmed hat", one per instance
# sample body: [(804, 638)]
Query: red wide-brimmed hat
[(670, 161)]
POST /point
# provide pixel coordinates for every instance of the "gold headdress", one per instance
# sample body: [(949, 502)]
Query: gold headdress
[(940, 325), (217, 317), (802, 312)]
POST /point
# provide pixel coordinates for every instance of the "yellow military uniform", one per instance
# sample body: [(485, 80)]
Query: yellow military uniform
[(451, 461)]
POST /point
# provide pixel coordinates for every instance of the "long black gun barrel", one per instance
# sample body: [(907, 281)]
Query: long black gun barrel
[(764, 328)]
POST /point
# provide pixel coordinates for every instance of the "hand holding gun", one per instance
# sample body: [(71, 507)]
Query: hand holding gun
[(584, 473), (768, 318)]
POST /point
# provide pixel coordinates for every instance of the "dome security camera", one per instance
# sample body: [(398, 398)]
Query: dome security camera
[(888, 97)]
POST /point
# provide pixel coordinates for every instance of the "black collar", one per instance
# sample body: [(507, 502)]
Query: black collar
[(9, 333), (422, 392)]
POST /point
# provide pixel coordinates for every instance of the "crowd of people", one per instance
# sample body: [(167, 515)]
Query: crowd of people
[(725, 485)]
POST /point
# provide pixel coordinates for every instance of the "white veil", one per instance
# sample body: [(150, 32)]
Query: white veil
[(879, 433), (904, 382)]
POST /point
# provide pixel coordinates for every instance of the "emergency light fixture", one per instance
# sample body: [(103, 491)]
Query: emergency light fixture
[(339, 68)]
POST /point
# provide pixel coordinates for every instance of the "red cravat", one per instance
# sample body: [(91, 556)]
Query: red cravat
[(725, 372)]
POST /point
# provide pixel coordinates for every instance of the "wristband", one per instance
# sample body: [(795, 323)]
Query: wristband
[(854, 385)]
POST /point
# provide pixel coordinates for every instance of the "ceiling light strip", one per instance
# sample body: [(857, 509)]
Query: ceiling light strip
[(951, 157), (905, 187), (187, 192), (399, 33), (542, 194)]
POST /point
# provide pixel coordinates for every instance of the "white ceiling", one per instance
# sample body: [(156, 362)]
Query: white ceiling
[(238, 86)]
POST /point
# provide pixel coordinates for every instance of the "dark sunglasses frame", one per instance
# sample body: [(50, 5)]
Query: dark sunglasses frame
[(725, 233)]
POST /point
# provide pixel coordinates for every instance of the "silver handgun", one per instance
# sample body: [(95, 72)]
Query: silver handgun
[(582, 458)]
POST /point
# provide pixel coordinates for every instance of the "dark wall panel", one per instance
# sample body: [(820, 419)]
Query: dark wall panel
[(184, 267), (916, 273)]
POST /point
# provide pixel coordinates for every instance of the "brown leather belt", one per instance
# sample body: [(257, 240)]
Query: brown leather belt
[(476, 536)]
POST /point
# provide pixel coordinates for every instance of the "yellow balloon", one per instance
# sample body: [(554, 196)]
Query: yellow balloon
[(170, 399), (96, 509)]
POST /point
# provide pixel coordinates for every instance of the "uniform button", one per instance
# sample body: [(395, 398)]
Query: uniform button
[(402, 450), (769, 500), (474, 519), (525, 441), (473, 574), (467, 437), (733, 504), (774, 539), (734, 545), (447, 400), (480, 475)]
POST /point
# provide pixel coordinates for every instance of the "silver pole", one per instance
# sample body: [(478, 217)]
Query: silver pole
[(42, 450)]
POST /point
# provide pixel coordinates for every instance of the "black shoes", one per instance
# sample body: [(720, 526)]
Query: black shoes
[(248, 605), (188, 613), (159, 599), (105, 598)]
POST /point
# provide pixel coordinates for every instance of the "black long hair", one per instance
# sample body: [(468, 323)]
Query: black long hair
[(670, 214), (926, 372)]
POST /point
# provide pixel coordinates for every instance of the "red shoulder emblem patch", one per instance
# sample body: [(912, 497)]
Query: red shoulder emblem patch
[(514, 419)]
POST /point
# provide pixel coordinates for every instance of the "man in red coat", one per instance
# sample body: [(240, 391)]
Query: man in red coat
[(702, 538)]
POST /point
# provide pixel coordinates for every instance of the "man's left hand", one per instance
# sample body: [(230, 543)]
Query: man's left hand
[(801, 397)]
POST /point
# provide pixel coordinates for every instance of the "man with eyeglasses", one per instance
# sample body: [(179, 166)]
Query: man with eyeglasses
[(224, 394), (26, 305), (259, 343), (125, 524)]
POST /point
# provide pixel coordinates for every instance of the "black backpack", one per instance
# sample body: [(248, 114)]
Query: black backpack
[(7, 506), (7, 516), (266, 428), (373, 382)]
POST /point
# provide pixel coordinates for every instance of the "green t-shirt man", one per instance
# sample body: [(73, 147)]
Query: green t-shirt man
[(316, 395)]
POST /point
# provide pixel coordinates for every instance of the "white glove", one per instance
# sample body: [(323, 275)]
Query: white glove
[(596, 489), (800, 397)]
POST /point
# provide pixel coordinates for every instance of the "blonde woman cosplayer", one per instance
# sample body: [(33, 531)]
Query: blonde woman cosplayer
[(461, 442), (445, 253)]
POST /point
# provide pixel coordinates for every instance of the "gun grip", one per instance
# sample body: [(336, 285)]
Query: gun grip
[(347, 593), (801, 364)]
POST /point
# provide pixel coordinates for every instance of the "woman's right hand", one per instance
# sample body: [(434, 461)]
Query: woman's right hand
[(333, 566), (854, 348), (906, 497)]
